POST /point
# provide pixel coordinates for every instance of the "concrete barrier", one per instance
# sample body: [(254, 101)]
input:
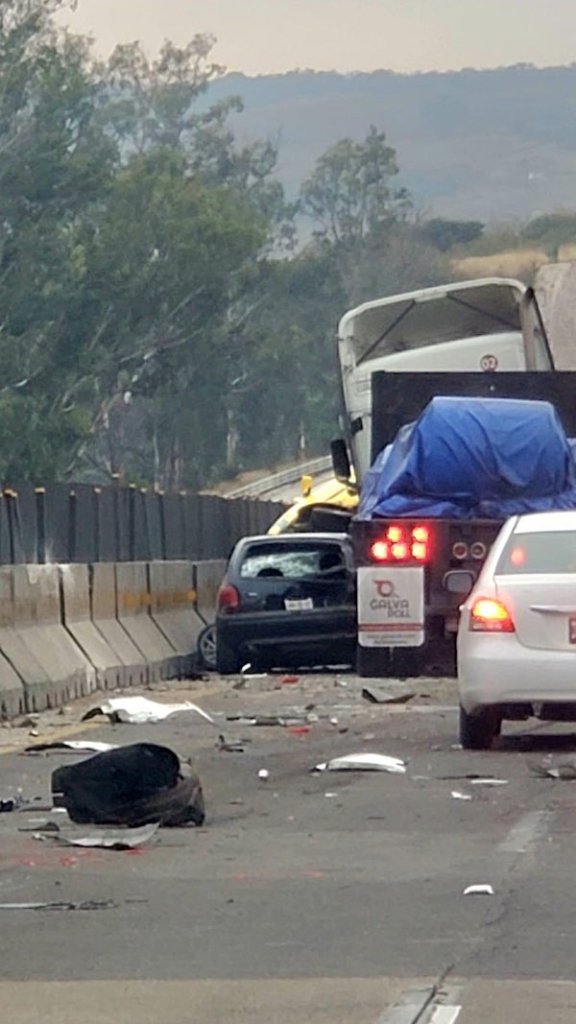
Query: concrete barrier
[(12, 699), (75, 585), (207, 579), (66, 672), (172, 607), (133, 596), (103, 608)]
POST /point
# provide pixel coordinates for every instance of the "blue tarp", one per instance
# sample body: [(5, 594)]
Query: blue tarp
[(470, 458)]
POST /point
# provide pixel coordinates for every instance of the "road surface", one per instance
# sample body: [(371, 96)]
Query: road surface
[(324, 898)]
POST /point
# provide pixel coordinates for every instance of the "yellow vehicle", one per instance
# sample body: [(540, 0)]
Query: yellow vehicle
[(330, 497)]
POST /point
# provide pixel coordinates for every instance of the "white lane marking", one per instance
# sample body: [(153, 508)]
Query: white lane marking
[(409, 1009), (526, 832), (445, 1015)]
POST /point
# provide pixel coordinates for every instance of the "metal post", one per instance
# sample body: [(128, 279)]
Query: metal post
[(40, 493), (96, 510), (183, 553), (132, 522), (116, 514), (147, 542), (162, 518), (9, 495), (72, 525)]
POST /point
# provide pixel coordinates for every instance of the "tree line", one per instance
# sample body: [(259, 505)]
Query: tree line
[(167, 315)]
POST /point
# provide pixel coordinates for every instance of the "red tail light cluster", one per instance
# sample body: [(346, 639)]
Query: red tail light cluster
[(490, 616), (402, 543), (228, 598)]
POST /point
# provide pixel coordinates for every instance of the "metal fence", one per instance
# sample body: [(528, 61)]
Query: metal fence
[(81, 523)]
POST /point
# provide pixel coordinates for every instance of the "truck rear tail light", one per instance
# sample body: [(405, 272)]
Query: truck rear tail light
[(400, 551), (403, 543), (380, 551), (459, 551), (228, 599), (490, 616), (478, 551)]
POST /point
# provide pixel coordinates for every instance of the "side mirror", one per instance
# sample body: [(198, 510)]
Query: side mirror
[(340, 460), (459, 581)]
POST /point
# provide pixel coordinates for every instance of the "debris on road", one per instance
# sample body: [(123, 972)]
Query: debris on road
[(457, 795), (269, 721), (565, 770), (264, 774), (230, 746), (110, 839), (140, 710), (363, 763), (13, 803), (382, 695), (84, 905), (478, 890), (489, 782), (290, 680), (134, 785), (75, 746)]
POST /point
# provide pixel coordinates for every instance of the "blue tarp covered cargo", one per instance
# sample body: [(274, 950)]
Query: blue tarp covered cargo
[(473, 458)]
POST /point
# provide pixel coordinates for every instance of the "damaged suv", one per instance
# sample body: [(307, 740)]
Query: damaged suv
[(287, 601)]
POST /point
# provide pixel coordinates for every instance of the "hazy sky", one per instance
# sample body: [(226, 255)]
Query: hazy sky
[(259, 36)]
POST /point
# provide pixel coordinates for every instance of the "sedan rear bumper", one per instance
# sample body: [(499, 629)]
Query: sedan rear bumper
[(333, 629), (496, 669)]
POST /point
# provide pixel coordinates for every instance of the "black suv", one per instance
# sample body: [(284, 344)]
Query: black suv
[(287, 601)]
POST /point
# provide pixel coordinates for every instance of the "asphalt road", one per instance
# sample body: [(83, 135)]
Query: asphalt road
[(307, 898)]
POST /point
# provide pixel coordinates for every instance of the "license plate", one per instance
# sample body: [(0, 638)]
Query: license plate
[(572, 629), (302, 605)]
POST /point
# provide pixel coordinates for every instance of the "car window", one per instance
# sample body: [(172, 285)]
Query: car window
[(529, 553), (320, 561)]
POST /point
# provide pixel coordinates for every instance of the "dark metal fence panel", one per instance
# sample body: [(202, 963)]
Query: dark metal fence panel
[(82, 523)]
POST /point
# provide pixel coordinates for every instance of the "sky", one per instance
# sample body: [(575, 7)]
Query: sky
[(268, 36)]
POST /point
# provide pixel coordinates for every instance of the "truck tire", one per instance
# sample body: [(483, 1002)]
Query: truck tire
[(227, 659), (477, 731)]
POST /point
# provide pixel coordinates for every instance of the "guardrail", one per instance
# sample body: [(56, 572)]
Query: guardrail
[(266, 484)]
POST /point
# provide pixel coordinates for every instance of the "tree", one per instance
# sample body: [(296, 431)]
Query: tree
[(55, 168), (552, 230), (445, 234), (349, 194)]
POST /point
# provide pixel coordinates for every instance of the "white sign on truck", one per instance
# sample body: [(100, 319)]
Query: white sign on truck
[(390, 606)]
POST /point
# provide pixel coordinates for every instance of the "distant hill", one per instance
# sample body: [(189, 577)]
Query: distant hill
[(492, 145)]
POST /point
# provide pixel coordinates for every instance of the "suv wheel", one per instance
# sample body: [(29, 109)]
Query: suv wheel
[(477, 731)]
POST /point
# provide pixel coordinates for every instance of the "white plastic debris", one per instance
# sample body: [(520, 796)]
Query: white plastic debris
[(76, 746), (489, 782), (363, 763), (139, 710), (264, 774), (457, 795), (111, 838), (479, 890)]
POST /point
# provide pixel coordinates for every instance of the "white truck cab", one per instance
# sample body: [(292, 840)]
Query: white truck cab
[(485, 326)]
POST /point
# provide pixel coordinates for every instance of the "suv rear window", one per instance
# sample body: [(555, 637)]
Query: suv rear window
[(537, 553), (298, 561)]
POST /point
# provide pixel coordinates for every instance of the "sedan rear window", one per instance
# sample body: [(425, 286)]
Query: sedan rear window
[(537, 553), (310, 561)]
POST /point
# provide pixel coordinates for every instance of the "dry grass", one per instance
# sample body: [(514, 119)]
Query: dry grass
[(519, 263)]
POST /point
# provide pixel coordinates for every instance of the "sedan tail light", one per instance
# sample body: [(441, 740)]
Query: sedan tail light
[(490, 616), (402, 543), (228, 599)]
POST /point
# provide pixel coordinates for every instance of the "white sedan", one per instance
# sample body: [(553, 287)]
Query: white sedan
[(517, 631)]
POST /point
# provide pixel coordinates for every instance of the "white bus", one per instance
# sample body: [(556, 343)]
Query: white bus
[(489, 325)]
